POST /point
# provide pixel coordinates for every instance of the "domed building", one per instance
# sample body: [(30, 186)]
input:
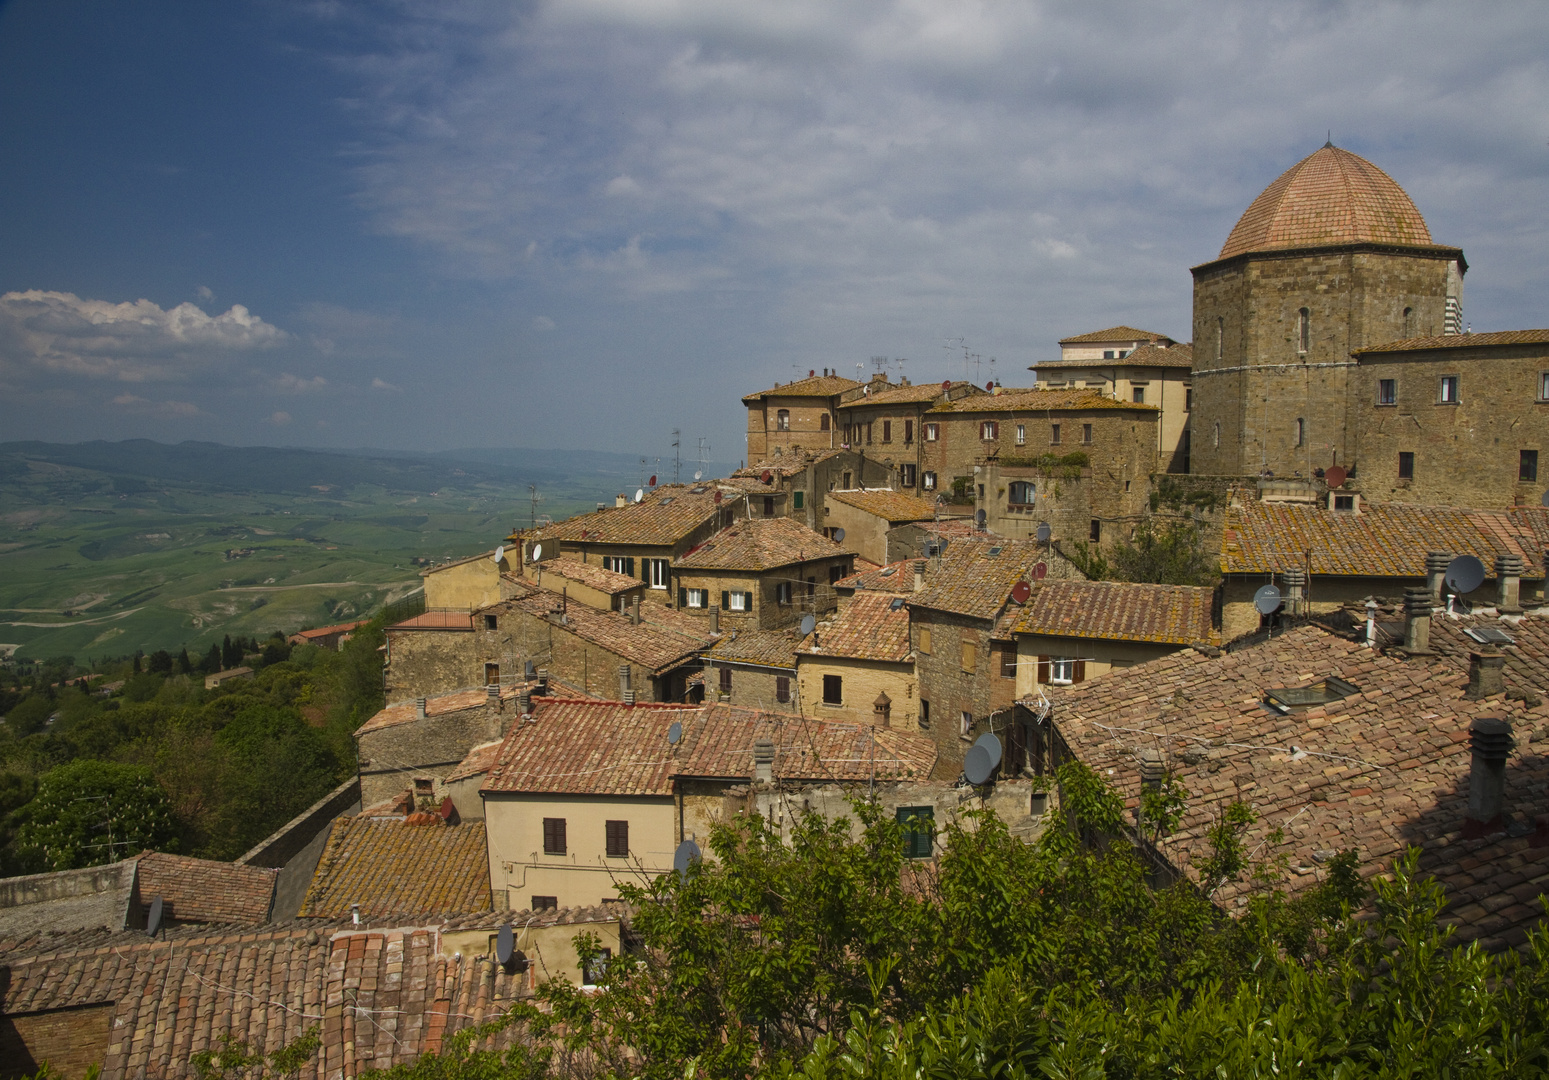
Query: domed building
[(1332, 257)]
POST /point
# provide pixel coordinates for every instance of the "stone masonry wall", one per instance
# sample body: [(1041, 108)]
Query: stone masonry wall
[(392, 758), (950, 688), (424, 663)]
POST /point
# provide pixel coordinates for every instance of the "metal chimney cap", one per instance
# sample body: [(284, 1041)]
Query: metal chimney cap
[(1490, 738)]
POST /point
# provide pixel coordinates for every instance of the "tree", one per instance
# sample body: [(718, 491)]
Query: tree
[(159, 662), (1170, 553), (231, 653), (184, 664), (212, 660), (92, 812)]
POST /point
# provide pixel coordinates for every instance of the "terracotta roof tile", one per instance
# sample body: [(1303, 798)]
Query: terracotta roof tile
[(872, 626), (718, 744), (589, 748), (395, 867), (816, 386), (664, 516), (1175, 356), (326, 631), (198, 890), (436, 620), (1114, 334), (976, 576), (907, 395), (891, 506), (894, 578), (793, 460), (1329, 197), (597, 577), (406, 712), (769, 648), (1121, 611), (478, 761), (759, 544), (1460, 341), (1078, 398), (661, 640), (1527, 658), (1383, 540)]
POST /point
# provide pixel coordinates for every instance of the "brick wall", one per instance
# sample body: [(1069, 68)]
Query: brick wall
[(806, 425), (70, 1040), (950, 688)]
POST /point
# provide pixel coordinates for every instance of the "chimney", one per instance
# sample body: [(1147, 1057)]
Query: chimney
[(1295, 581), (525, 701), (1486, 673), (1436, 570), (493, 690), (1417, 621), (629, 698), (1489, 738), (634, 611), (882, 710), (620, 500), (419, 708), (623, 681), (715, 618), (1508, 575), (543, 683), (763, 760), (919, 575), (1152, 772)]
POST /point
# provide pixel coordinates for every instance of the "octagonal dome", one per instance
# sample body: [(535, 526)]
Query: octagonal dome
[(1330, 197)]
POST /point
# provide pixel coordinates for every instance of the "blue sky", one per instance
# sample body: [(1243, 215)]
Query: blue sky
[(432, 225)]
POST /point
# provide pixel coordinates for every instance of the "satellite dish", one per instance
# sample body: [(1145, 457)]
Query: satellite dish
[(675, 733), (766, 476), (505, 946), (1267, 600), (838, 536), (807, 623), (698, 475), (639, 494), (978, 765), (1044, 532), (1040, 571), (990, 385), (653, 479), (1021, 591), (991, 744), (979, 517), (500, 553), (537, 552), (1335, 476), (153, 920), (717, 496), (946, 385), (685, 856), (1464, 574), (1545, 499)]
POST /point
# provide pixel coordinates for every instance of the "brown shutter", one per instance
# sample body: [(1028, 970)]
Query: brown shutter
[(1080, 673), (682, 597), (1043, 671)]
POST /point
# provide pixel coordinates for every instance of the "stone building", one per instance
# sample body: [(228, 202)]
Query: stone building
[(1137, 366), (1461, 419), (802, 413), (858, 667), (755, 669), (1331, 259), (868, 515), (408, 746), (795, 484), (586, 583), (885, 423), (760, 574), (432, 653)]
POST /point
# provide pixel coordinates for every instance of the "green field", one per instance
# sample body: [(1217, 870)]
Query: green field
[(109, 548)]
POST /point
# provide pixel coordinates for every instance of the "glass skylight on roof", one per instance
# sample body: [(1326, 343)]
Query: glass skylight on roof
[(1490, 635), (698, 490), (993, 551), (888, 571), (1285, 699), (664, 502), (898, 602)]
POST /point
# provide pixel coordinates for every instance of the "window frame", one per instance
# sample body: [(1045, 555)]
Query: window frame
[(1448, 389), (783, 689), (1543, 386), (782, 592), (1406, 465), (1137, 395), (887, 431), (928, 481), (989, 430), (924, 642), (658, 571), (616, 835), (491, 622), (783, 420), (544, 903), (918, 843), (1054, 434), (798, 500), (702, 595), (1021, 434), (619, 564), (968, 658), (491, 674), (554, 839), (1024, 488), (737, 600), (1387, 393), (932, 432), (908, 432), (1303, 331), (1086, 434), (724, 680), (1527, 466), (833, 690), (592, 972), (1008, 663), (1062, 671), (907, 472)]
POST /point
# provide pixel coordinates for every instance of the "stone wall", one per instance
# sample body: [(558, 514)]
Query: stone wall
[(70, 1040), (752, 686), (1013, 801), (393, 758), (464, 585), (424, 663), (949, 687), (863, 680)]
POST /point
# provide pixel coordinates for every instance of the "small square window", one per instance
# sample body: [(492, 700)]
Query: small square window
[(1406, 465), (593, 971), (1527, 465), (1344, 503), (833, 690), (545, 903), (1139, 395), (491, 622), (697, 598), (1008, 664), (424, 787), (1387, 392), (1110, 354), (1062, 672), (1447, 391)]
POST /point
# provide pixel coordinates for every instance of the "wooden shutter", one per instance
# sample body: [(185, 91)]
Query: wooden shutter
[(747, 601), (617, 839), (782, 689), (725, 600), (645, 571), (1079, 674), (1043, 671), (630, 563), (554, 836), (682, 597)]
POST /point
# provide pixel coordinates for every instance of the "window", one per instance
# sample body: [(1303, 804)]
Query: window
[(965, 724), (491, 674), (1387, 392), (725, 680), (868, 434), (1452, 317), (906, 474), (736, 601), (1054, 434), (491, 622), (908, 432), (1543, 386), (989, 430), (1527, 465), (1447, 392), (981, 491), (833, 690), (1303, 330), (887, 431), (1095, 533), (824, 423), (655, 572), (970, 656), (1409, 322), (1406, 465), (617, 833), (798, 500), (847, 484), (919, 824), (783, 689), (1138, 395), (933, 431), (924, 713), (928, 481), (835, 572), (553, 836), (593, 970), (925, 640), (424, 787), (694, 598), (782, 592), (1188, 398), (783, 420), (1220, 336), (848, 430), (1109, 354), (1062, 672), (545, 903), (1086, 434), (1021, 434), (1008, 663), (1022, 493), (1216, 435), (620, 564), (769, 506), (1300, 432), (1344, 503)]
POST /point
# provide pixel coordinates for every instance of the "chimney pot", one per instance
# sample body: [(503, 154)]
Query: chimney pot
[(629, 697), (623, 681), (1417, 620), (1508, 576), (1491, 743), (1152, 770), (919, 575), (634, 611), (419, 708), (525, 701), (1486, 673), (763, 760), (493, 690), (1435, 571), (882, 710), (1295, 581)]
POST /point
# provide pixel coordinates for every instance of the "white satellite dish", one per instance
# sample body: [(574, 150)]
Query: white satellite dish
[(698, 475), (807, 623), (500, 553), (639, 494), (1267, 600), (537, 552), (685, 856)]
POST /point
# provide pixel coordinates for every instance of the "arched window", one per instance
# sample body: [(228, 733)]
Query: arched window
[(783, 420), (1023, 493), (823, 422), (1301, 431), (1303, 330)]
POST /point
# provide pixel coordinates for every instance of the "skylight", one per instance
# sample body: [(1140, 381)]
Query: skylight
[(1490, 635), (1287, 699)]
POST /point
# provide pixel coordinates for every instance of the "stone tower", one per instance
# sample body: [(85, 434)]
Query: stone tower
[(1332, 257)]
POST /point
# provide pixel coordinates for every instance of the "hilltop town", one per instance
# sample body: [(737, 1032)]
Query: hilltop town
[(918, 595)]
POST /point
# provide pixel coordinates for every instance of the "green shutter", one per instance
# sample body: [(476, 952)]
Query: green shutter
[(682, 598), (645, 571), (919, 830), (725, 600), (747, 601), (798, 499), (630, 564)]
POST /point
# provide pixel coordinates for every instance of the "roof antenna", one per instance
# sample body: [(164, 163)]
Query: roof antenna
[(1330, 144)]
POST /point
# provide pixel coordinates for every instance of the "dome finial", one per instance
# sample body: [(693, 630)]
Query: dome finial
[(1330, 144)]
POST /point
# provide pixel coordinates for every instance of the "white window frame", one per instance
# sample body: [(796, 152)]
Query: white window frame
[(1021, 434), (617, 564), (1062, 670), (989, 430), (782, 592), (1447, 390), (1543, 386), (932, 432), (928, 481), (906, 474), (736, 600), (698, 599), (658, 572), (965, 724)]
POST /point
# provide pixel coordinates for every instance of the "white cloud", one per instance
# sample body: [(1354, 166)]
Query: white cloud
[(61, 333), (204, 293), (383, 384), (164, 410), (294, 384), (279, 419), (543, 322)]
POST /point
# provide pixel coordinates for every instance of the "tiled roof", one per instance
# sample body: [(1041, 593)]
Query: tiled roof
[(380, 996), (769, 648), (660, 641), (478, 761), (589, 748), (407, 712), (907, 395), (1527, 659), (1120, 611), (1460, 341), (597, 577), (793, 460), (895, 577), (1379, 770), (1330, 197), (1021, 401), (663, 517), (760, 544), (326, 631), (976, 576), (1115, 334), (872, 626), (816, 386), (1383, 540), (891, 506), (394, 867), (1175, 356), (436, 620), (198, 890), (718, 744)]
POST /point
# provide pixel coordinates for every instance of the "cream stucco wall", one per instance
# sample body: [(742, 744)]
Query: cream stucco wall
[(863, 681), (549, 949), (1101, 656), (465, 586)]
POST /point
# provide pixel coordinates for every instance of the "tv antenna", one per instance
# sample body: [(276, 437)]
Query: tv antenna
[(880, 363), (532, 521), (704, 449), (677, 458)]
